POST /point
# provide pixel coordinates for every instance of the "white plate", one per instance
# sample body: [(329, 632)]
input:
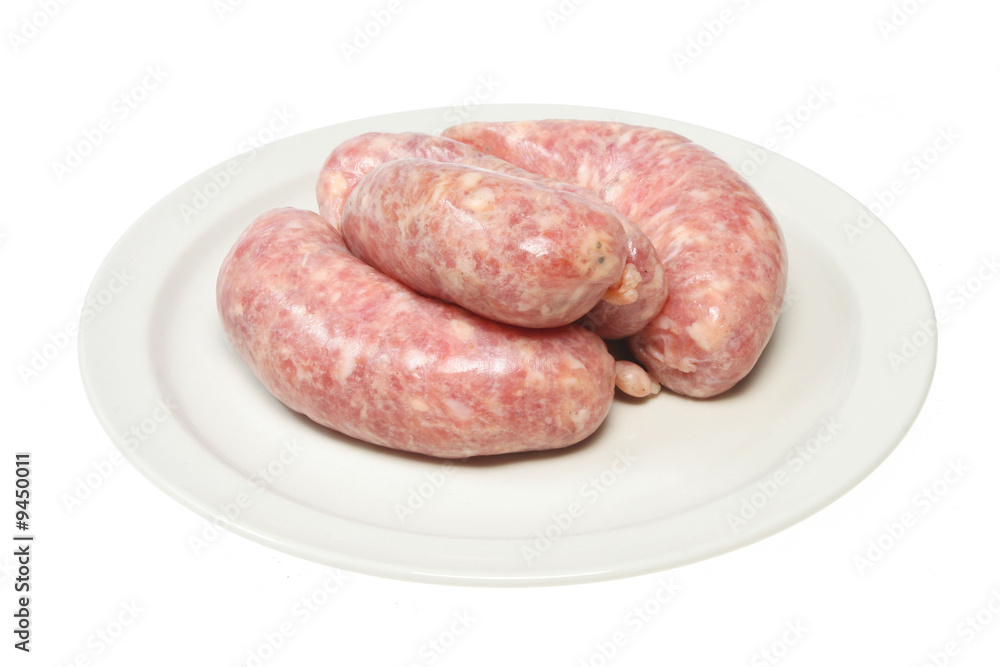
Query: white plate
[(663, 482)]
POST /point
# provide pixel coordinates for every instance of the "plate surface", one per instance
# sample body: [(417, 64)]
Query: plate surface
[(663, 482)]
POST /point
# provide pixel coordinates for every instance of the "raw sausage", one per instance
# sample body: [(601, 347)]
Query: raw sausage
[(611, 318), (632, 379), (349, 161), (509, 249), (356, 351), (355, 157), (619, 320), (721, 247)]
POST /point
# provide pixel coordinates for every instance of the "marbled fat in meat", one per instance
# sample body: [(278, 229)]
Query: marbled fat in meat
[(507, 248), (721, 247), (356, 351), (352, 159)]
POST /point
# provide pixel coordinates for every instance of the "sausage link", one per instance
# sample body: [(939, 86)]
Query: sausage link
[(509, 249), (352, 159), (356, 351), (348, 163), (720, 245), (629, 305)]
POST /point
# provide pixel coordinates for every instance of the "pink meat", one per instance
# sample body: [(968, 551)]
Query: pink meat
[(721, 248), (354, 350), (355, 157), (348, 163), (613, 321), (510, 249), (608, 319)]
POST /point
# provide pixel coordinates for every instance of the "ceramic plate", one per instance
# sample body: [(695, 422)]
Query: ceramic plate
[(663, 482)]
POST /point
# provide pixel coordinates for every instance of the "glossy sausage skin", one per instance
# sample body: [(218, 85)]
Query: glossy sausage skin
[(509, 249), (609, 319), (613, 321), (356, 351), (352, 159), (721, 247)]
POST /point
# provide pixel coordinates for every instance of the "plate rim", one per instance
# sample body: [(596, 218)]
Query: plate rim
[(254, 531)]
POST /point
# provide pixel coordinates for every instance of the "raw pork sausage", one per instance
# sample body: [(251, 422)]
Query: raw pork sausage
[(348, 163), (507, 248), (356, 351), (612, 321), (352, 159), (722, 249)]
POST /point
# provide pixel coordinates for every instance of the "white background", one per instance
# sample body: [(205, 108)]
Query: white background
[(123, 555)]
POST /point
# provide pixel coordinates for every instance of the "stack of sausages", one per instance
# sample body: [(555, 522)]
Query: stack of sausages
[(454, 294)]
